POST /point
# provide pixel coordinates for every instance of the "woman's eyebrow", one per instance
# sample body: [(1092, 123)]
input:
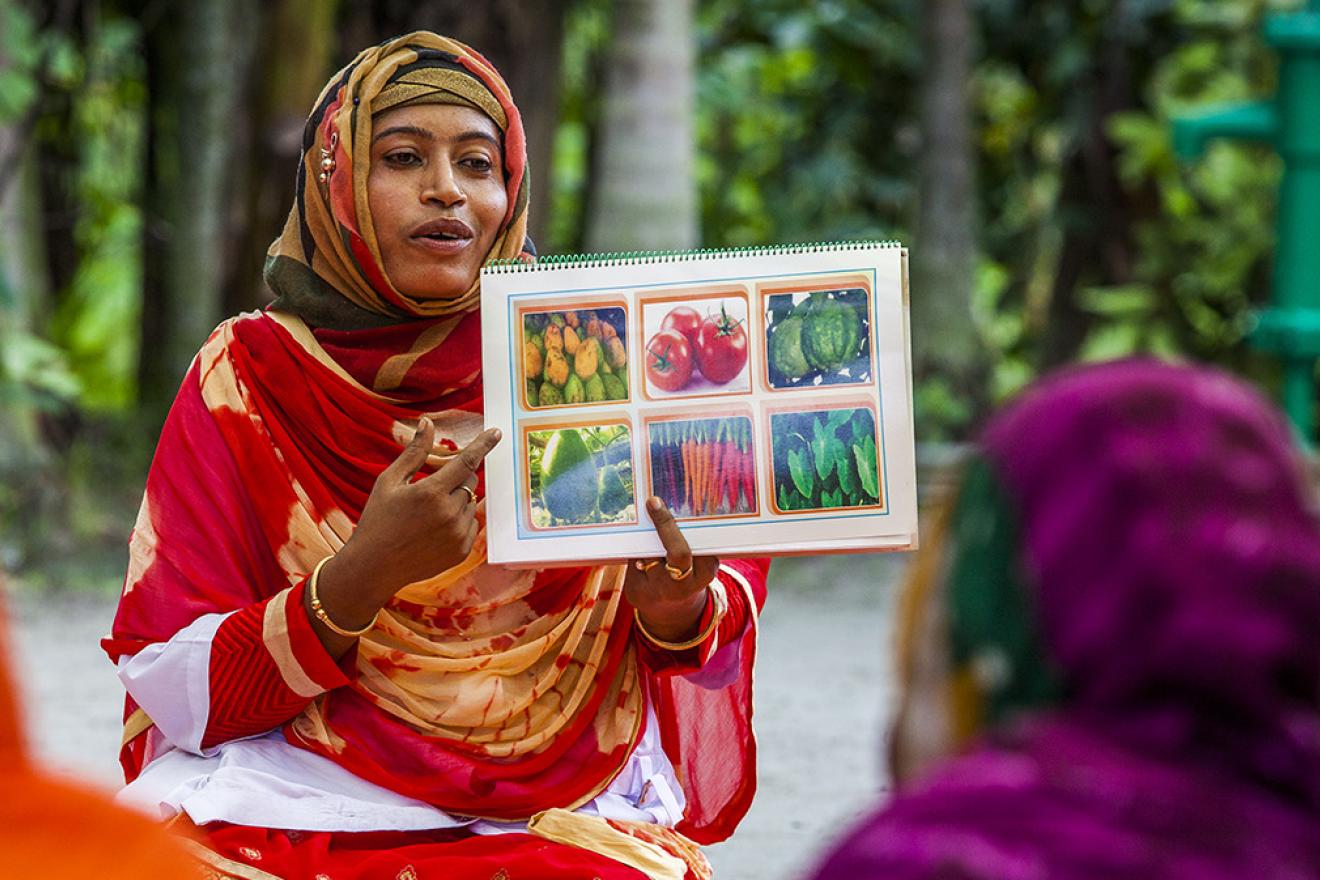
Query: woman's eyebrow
[(473, 134), (404, 129), (477, 134)]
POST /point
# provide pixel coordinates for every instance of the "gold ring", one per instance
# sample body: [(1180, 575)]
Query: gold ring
[(645, 564), (676, 574), (472, 496)]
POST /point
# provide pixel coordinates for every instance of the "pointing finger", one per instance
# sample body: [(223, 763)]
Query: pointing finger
[(462, 466), (410, 461)]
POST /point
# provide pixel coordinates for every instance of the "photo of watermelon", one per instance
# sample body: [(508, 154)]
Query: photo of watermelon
[(581, 476), (574, 357), (819, 337)]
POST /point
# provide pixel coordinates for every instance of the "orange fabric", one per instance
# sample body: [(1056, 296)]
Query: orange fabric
[(54, 830)]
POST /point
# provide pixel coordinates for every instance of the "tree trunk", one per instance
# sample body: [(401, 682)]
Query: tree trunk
[(29, 484), (197, 59), (646, 195), (284, 86), (944, 339), (522, 38)]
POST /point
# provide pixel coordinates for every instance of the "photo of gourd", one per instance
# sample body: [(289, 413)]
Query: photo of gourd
[(704, 467), (818, 338), (825, 459), (581, 476), (575, 356)]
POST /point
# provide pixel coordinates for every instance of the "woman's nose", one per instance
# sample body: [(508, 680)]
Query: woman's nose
[(442, 185)]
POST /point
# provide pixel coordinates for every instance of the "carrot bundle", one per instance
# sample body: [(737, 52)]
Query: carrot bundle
[(704, 467)]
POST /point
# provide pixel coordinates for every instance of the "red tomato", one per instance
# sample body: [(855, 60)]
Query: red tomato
[(685, 320), (669, 360), (721, 348)]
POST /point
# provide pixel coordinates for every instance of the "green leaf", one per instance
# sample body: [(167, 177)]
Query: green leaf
[(820, 450), (847, 470), (799, 468), (836, 419), (862, 425), (867, 467), (832, 498)]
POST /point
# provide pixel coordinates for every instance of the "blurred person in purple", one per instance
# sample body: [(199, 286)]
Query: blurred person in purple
[(1110, 651)]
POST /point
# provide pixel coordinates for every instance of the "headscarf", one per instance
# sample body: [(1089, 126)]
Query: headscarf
[(326, 265), (53, 829), (1129, 590)]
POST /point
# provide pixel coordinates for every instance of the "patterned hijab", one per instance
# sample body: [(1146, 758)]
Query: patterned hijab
[(326, 265), (1126, 598)]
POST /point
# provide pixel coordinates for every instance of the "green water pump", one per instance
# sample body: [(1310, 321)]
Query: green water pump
[(1290, 325)]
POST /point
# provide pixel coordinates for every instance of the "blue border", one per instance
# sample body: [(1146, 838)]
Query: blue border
[(615, 291)]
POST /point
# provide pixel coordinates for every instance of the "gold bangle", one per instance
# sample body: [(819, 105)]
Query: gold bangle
[(319, 610), (713, 594)]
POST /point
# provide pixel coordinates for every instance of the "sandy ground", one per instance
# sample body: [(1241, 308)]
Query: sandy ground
[(823, 688)]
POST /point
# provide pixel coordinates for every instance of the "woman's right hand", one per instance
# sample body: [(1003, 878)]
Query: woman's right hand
[(409, 531)]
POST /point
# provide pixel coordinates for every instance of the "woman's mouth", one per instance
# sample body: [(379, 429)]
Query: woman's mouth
[(443, 236)]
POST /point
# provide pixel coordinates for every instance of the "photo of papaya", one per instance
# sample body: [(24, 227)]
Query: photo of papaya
[(582, 355)]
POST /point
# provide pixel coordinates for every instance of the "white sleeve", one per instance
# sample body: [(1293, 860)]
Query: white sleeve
[(171, 682)]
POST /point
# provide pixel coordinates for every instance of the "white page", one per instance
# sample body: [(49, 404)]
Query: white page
[(759, 411)]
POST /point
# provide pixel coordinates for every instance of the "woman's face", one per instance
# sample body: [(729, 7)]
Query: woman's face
[(437, 197)]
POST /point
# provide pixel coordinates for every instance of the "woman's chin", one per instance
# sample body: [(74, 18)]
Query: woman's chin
[(438, 285)]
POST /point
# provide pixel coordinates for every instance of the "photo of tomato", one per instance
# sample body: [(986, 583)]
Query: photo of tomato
[(685, 320), (721, 348), (713, 327), (668, 360)]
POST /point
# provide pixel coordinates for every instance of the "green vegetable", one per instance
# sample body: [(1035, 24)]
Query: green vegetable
[(574, 392), (614, 387), (831, 333), (799, 468), (533, 396), (539, 341), (568, 477), (866, 467), (594, 388), (614, 495), (786, 354), (549, 395)]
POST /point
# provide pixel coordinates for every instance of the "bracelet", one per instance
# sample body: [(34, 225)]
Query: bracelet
[(714, 593), (319, 610)]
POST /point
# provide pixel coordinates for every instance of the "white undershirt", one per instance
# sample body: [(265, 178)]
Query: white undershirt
[(263, 781)]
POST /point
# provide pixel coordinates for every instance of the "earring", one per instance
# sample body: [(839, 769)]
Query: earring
[(328, 158)]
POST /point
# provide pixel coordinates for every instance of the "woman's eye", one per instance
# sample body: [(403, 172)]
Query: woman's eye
[(402, 158), (478, 163)]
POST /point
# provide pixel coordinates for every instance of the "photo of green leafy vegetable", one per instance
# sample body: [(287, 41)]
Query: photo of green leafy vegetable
[(825, 459), (818, 338), (575, 356), (581, 476)]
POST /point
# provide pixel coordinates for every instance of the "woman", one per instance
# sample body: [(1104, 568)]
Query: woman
[(1119, 628), (324, 675)]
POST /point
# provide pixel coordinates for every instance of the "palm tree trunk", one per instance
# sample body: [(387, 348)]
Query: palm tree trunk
[(645, 189), (945, 342)]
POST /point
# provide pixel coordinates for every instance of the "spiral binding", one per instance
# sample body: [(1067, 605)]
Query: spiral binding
[(634, 258)]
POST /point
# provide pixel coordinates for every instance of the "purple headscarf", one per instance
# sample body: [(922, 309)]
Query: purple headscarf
[(1172, 568)]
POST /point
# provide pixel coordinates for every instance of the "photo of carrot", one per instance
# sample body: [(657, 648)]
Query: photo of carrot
[(704, 467)]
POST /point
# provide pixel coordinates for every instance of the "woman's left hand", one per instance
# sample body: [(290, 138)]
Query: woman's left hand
[(670, 606)]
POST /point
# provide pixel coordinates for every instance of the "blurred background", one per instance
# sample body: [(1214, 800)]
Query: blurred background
[(1022, 148)]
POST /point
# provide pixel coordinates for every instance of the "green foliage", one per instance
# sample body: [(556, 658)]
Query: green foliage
[(1172, 257), (805, 123), (98, 316)]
